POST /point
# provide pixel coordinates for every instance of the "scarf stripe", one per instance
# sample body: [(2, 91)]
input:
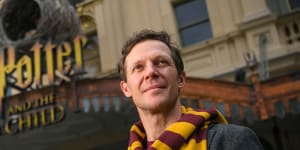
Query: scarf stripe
[(181, 129), (200, 135), (137, 133), (189, 132), (136, 145), (193, 144), (160, 145), (137, 130), (193, 119), (134, 137), (174, 142)]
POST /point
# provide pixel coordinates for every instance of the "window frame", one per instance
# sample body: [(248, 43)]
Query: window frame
[(194, 23)]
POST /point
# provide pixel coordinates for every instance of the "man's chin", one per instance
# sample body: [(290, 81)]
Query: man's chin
[(156, 105)]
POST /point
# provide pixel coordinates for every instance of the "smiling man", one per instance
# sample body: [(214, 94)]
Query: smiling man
[(152, 74)]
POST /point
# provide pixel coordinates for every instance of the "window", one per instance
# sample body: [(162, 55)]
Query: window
[(193, 22), (283, 6), (294, 4)]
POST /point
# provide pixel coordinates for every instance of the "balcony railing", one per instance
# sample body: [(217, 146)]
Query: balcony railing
[(289, 30)]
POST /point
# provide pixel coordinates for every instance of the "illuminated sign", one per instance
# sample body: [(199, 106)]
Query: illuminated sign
[(33, 114), (27, 70), (24, 70)]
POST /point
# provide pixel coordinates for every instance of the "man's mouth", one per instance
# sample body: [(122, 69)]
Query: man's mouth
[(153, 87)]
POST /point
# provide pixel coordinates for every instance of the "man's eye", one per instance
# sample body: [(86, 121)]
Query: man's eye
[(162, 63), (137, 67)]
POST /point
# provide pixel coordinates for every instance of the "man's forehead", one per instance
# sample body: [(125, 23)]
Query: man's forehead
[(149, 47), (141, 53)]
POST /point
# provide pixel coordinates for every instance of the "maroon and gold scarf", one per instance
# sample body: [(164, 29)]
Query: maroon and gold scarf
[(188, 133)]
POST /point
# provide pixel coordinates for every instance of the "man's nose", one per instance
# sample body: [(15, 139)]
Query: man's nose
[(151, 71)]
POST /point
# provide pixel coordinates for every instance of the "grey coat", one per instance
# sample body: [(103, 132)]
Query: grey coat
[(232, 137)]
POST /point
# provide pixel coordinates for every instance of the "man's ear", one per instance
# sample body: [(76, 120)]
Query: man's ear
[(181, 80), (125, 89)]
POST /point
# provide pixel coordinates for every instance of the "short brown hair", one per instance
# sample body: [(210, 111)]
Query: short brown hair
[(144, 35)]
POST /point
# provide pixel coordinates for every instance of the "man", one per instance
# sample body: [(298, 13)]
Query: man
[(152, 74)]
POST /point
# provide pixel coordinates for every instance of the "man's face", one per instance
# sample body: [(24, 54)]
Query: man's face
[(152, 79)]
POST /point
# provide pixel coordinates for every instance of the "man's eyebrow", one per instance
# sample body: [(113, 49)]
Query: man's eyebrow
[(153, 58), (162, 56), (165, 57), (133, 64), (137, 62)]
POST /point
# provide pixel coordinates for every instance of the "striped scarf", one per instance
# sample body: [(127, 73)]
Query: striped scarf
[(188, 133)]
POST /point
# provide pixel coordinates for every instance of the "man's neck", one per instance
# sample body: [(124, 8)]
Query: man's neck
[(155, 123)]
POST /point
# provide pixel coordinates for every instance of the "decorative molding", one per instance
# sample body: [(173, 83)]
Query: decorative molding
[(86, 12), (254, 21), (177, 1), (210, 42), (256, 16)]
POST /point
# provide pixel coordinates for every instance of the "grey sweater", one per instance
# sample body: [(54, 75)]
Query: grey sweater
[(232, 137)]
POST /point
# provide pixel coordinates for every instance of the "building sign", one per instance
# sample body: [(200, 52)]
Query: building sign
[(33, 114), (26, 70)]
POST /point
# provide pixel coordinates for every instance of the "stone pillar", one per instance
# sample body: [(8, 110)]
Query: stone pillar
[(110, 29)]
